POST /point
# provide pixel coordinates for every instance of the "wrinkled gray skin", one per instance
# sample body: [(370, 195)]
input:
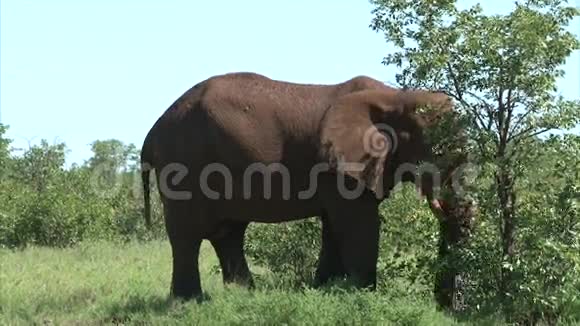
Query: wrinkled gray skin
[(242, 118)]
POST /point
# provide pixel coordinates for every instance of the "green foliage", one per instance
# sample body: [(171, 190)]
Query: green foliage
[(111, 158), (408, 247), (289, 250), (502, 71), (41, 167), (4, 151), (42, 203), (550, 286), (545, 272)]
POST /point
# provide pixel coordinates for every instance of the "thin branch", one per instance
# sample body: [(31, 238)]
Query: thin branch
[(509, 98), (477, 97), (481, 148), (487, 107), (489, 119), (523, 134), (454, 80), (479, 118), (459, 95), (521, 118)]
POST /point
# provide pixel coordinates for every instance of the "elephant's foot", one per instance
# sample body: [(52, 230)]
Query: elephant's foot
[(329, 268), (240, 278), (235, 270), (185, 291), (367, 280), (322, 278)]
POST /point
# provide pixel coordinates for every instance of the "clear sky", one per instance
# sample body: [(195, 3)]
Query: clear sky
[(77, 71)]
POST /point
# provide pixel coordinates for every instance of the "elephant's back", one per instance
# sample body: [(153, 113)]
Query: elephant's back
[(247, 117), (264, 120)]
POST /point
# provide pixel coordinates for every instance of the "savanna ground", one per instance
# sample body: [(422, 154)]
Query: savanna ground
[(108, 282)]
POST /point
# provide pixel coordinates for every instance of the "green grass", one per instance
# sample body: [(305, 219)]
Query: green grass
[(103, 283)]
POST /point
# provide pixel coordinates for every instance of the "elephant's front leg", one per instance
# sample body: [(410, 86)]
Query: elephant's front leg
[(355, 226), (329, 264)]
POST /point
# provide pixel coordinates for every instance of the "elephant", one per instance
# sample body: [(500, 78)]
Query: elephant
[(241, 147)]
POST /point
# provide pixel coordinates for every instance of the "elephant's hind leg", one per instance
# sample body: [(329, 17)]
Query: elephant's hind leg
[(185, 281), (229, 247), (185, 245)]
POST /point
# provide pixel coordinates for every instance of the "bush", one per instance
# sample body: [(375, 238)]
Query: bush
[(289, 250), (42, 203), (408, 247)]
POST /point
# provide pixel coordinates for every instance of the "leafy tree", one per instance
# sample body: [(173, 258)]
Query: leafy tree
[(40, 165), (4, 151), (113, 154), (111, 165), (44, 203), (546, 270), (502, 72)]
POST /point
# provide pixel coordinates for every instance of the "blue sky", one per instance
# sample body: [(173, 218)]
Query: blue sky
[(76, 71)]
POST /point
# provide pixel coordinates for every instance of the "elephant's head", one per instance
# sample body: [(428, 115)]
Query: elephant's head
[(382, 137)]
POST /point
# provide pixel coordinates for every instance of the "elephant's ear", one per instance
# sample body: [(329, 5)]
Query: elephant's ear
[(357, 140)]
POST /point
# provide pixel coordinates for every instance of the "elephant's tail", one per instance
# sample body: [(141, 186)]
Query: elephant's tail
[(145, 171), (146, 167)]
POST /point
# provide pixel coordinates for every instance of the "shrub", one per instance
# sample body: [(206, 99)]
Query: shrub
[(289, 250), (42, 203)]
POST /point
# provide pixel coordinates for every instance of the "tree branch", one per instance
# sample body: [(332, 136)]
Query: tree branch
[(488, 109), (510, 111), (521, 118), (522, 135), (500, 115)]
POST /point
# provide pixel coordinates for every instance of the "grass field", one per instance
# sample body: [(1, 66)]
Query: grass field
[(104, 283)]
